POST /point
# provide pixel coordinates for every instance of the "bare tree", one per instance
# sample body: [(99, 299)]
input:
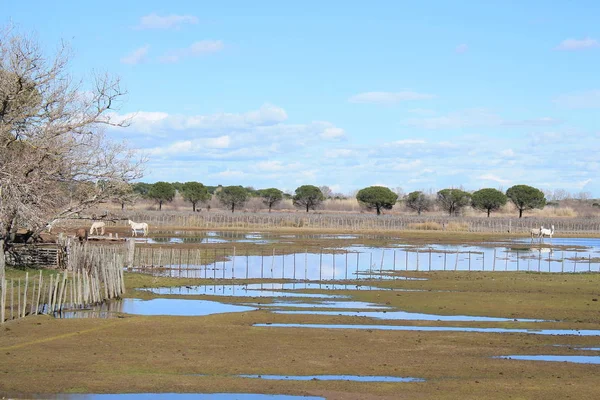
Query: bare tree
[(326, 190), (54, 159)]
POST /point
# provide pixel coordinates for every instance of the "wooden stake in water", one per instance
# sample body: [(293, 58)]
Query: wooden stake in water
[(321, 265), (272, 263), (469, 260), (305, 263), (233, 265), (494, 262), (417, 259), (445, 260), (456, 261), (430, 259), (346, 277)]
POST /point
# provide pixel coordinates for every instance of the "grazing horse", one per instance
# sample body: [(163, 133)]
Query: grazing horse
[(82, 235), (97, 226), (536, 232), (547, 232), (138, 226)]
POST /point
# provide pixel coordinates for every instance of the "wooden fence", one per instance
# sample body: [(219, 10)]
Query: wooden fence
[(93, 274), (324, 264), (349, 222)]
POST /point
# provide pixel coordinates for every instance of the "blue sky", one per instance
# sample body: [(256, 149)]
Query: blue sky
[(346, 93)]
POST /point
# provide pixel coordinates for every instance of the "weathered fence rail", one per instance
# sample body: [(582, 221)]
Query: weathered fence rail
[(351, 222)]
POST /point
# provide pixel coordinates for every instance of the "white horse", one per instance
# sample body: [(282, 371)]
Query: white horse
[(97, 226), (536, 232), (138, 226), (547, 232)]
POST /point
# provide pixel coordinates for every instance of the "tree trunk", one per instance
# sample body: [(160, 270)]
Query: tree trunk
[(307, 208), (122, 206), (520, 212), (194, 206), (270, 205), (160, 206), (378, 210), (419, 211), (232, 207), (488, 212)]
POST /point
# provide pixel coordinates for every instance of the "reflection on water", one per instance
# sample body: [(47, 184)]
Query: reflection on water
[(553, 358), (358, 262), (403, 315), (265, 289), (175, 307), (356, 305), (574, 332), (250, 290), (355, 378)]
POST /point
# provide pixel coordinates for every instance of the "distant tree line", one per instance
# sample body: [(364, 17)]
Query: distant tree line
[(309, 197)]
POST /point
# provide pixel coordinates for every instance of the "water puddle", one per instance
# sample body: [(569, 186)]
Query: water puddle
[(407, 316), (250, 290), (359, 261), (357, 305), (174, 307), (572, 332), (355, 378), (266, 289), (571, 359)]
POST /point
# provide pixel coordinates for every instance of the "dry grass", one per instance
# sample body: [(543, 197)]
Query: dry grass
[(567, 212), (426, 226), (457, 226)]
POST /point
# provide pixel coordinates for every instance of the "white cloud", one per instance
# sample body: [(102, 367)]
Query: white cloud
[(196, 49), (494, 178), (544, 121), (389, 97), (155, 21), (156, 123), (229, 174), (195, 146), (577, 44), (507, 153), (461, 48), (457, 120), (332, 133), (270, 166), (579, 100), (408, 142), (421, 111), (475, 117), (137, 56), (339, 153)]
